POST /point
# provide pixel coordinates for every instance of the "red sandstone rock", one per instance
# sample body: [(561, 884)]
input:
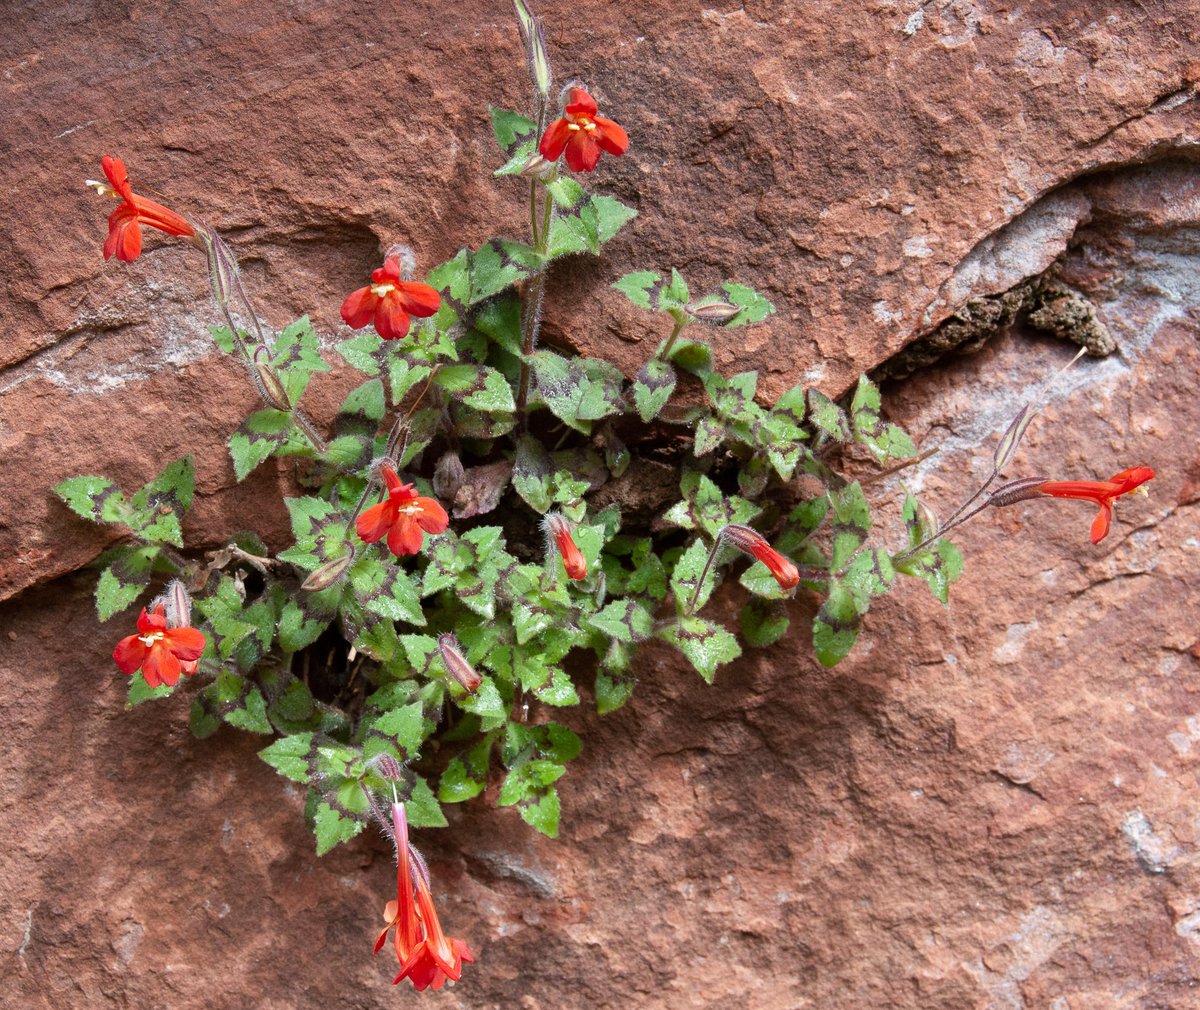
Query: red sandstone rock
[(987, 806)]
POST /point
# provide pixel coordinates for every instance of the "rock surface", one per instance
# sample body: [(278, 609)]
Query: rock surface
[(988, 806)]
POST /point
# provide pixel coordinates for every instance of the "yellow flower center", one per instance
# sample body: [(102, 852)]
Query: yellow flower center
[(580, 123), (380, 290), (102, 188), (412, 509), (149, 640)]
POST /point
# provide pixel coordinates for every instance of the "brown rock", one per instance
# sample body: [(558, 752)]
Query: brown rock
[(987, 806)]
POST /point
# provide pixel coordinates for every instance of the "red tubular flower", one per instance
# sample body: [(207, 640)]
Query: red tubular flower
[(1103, 492), (747, 539), (573, 559), (428, 958), (124, 224), (388, 302), (582, 134), (403, 517), (160, 652)]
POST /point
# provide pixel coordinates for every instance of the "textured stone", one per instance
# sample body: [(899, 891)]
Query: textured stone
[(989, 806), (865, 169)]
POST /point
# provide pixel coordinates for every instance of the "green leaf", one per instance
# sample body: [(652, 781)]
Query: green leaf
[(466, 777), (124, 580), (332, 827), (624, 620), (478, 386), (297, 355), (653, 387), (705, 644), (532, 473), (94, 498), (763, 622), (686, 577), (827, 416), (544, 814), (422, 808), (290, 756), (259, 436), (755, 308), (567, 193), (510, 127), (885, 441), (641, 288), (577, 390), (140, 691), (611, 216), (500, 264)]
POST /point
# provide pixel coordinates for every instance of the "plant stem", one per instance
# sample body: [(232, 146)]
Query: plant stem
[(532, 320), (666, 348)]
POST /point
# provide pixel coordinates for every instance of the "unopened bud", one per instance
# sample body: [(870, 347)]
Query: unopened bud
[(1016, 490), (457, 665), (713, 312), (749, 540), (275, 393), (559, 530), (404, 258), (389, 767), (926, 521), (328, 573), (448, 476), (535, 48), (536, 167), (176, 604)]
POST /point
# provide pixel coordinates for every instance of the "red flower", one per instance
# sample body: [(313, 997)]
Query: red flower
[(124, 231), (160, 652), (403, 517), (428, 958), (582, 134), (388, 301), (746, 539), (1103, 492), (573, 559)]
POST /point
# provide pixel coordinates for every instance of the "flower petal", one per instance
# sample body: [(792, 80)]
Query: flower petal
[(373, 523), (418, 299), (432, 518), (160, 666), (391, 321), (124, 236), (359, 308), (581, 104), (611, 136), (129, 654), (186, 644), (555, 139), (405, 536), (114, 170), (582, 152), (1102, 522)]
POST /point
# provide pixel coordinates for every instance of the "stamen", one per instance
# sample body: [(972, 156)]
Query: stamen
[(149, 640), (381, 290)]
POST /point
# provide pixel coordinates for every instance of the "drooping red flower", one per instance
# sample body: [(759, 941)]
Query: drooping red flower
[(748, 539), (1103, 492), (403, 517), (388, 301), (582, 134), (573, 560), (124, 224), (161, 653), (428, 958)]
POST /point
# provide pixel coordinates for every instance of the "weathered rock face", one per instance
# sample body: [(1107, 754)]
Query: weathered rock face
[(988, 806)]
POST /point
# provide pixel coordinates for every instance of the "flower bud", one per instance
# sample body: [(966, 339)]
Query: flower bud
[(749, 540), (404, 258), (536, 167), (272, 388), (328, 573), (1016, 490), (559, 529), (178, 604), (457, 665), (713, 312)]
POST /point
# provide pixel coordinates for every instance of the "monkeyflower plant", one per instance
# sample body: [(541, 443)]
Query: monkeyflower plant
[(479, 510)]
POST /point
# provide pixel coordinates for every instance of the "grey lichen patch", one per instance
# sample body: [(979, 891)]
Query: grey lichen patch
[(1044, 303)]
